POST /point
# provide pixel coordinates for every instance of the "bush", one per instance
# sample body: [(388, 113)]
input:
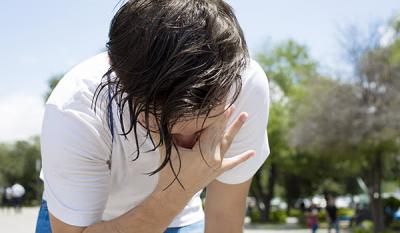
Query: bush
[(278, 216), (322, 216), (346, 213), (395, 225), (391, 205), (367, 226), (361, 230), (255, 215), (295, 213)]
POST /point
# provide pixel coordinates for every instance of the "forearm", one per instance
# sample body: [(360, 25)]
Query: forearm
[(221, 224), (152, 216), (225, 207)]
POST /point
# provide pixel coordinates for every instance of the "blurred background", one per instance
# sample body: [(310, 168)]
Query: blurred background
[(334, 127)]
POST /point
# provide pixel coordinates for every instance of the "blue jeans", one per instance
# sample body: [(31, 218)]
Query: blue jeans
[(314, 228), (43, 223), (335, 225)]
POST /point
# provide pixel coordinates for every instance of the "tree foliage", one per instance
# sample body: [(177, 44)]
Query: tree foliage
[(357, 121), (20, 162), (52, 82), (324, 133)]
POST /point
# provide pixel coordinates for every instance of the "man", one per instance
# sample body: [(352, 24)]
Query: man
[(331, 210), (131, 137), (18, 191)]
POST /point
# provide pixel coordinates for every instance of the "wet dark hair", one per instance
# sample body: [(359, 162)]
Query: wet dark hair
[(172, 59)]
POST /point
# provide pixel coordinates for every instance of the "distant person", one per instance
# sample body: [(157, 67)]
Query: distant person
[(302, 206), (355, 219), (332, 215), (3, 197), (312, 218), (7, 198), (18, 191), (361, 213)]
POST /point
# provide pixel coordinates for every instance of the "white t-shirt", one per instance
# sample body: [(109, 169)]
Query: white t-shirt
[(18, 190), (76, 146)]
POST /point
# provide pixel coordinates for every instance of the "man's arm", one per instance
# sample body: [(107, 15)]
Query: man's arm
[(225, 207), (153, 215)]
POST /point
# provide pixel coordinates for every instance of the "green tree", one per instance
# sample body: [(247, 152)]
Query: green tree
[(19, 163), (52, 82), (287, 65), (357, 121)]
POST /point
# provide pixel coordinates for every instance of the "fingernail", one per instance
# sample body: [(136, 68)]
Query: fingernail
[(244, 117)]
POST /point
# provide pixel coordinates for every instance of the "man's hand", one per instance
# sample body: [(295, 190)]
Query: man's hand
[(205, 161)]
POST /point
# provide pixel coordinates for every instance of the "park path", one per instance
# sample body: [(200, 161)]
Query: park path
[(25, 222)]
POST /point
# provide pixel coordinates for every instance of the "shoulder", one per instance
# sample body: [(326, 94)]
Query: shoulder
[(255, 87), (70, 124), (254, 82), (254, 74), (79, 84)]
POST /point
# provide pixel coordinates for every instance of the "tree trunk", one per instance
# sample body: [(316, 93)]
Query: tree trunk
[(259, 196), (270, 192), (375, 194), (292, 190)]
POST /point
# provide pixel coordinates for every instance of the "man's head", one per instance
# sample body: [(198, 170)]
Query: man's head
[(186, 131), (174, 60)]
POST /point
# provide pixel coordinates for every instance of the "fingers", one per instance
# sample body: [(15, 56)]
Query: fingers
[(212, 136), (223, 120), (222, 123), (229, 163), (232, 131), (228, 113)]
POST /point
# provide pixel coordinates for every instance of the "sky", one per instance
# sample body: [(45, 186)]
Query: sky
[(40, 39)]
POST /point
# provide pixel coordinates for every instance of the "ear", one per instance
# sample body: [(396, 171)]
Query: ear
[(152, 121)]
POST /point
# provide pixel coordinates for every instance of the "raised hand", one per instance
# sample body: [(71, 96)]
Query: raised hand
[(205, 161)]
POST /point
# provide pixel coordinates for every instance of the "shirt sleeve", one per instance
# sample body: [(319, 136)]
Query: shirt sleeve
[(253, 99), (75, 149)]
